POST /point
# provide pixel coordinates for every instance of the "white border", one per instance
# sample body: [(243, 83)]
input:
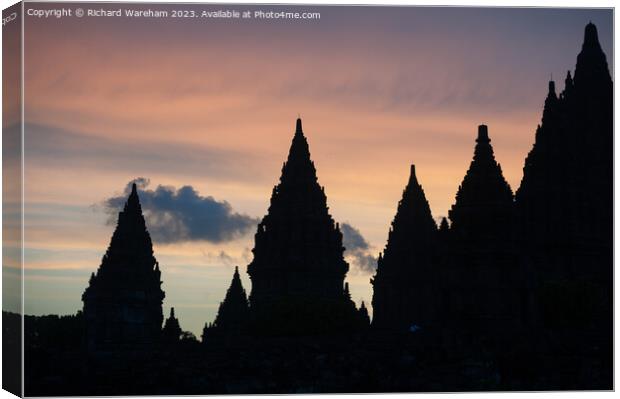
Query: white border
[(475, 3)]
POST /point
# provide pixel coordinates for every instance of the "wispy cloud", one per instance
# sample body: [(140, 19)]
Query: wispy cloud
[(358, 249), (53, 147), (179, 215)]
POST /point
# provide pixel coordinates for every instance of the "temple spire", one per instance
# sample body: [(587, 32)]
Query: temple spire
[(483, 189), (592, 71), (550, 102), (128, 277), (568, 82), (298, 160), (405, 266), (551, 92), (413, 180), (483, 134), (590, 37), (298, 251), (298, 129), (413, 209), (172, 331), (233, 311)]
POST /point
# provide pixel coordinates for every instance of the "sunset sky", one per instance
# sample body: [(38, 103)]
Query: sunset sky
[(212, 104)]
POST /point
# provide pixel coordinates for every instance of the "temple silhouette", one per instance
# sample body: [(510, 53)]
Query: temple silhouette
[(233, 314), (298, 268), (513, 292), (405, 282), (123, 300)]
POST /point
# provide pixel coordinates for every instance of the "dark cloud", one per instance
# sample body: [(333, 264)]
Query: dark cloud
[(177, 215), (352, 239), (358, 249)]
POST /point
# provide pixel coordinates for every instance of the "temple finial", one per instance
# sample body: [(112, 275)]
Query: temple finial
[(298, 128), (413, 179), (552, 88), (483, 133), (590, 36)]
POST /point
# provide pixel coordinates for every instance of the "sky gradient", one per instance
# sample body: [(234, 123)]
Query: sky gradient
[(212, 106)]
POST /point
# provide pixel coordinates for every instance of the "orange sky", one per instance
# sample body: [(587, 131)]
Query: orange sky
[(214, 105)]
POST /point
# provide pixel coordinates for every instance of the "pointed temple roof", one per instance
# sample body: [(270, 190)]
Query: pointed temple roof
[(126, 287), (551, 102), (564, 205), (298, 268), (568, 82), (586, 100), (484, 198), (298, 231), (233, 310), (573, 149), (172, 329), (406, 264), (592, 68), (129, 261), (298, 168), (413, 227)]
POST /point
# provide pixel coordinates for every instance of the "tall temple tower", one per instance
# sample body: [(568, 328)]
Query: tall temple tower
[(566, 196), (482, 214), (405, 283), (481, 282), (298, 268), (564, 204), (123, 300)]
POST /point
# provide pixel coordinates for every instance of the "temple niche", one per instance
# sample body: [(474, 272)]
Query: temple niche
[(405, 282), (123, 300), (298, 268)]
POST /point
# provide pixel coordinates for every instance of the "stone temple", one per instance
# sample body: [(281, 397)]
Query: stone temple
[(481, 283), (404, 285), (298, 268), (233, 314), (123, 300), (564, 209)]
